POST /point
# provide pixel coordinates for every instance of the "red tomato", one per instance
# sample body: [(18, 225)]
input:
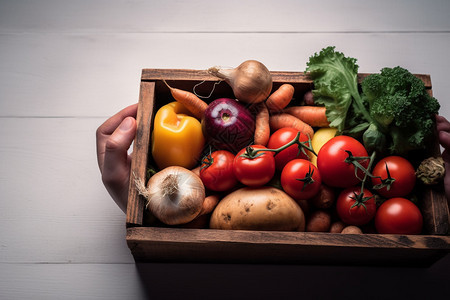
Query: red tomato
[(217, 172), (300, 179), (354, 208), (280, 138), (400, 180), (255, 171), (333, 164), (398, 216)]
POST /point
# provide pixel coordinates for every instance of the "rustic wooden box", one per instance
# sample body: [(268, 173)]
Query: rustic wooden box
[(159, 244)]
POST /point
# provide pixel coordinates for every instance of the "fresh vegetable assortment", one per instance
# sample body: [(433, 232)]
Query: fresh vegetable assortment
[(335, 162)]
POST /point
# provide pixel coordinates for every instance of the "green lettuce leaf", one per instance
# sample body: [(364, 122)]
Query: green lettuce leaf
[(335, 84)]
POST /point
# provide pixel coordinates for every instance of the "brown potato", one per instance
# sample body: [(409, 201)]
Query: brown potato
[(318, 221), (337, 227), (263, 208), (324, 198), (304, 205), (351, 230)]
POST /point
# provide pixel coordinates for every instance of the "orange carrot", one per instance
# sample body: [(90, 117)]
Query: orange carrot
[(312, 115), (209, 204), (193, 103), (262, 130), (280, 98), (286, 120), (196, 171)]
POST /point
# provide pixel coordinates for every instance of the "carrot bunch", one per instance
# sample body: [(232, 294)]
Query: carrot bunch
[(275, 114)]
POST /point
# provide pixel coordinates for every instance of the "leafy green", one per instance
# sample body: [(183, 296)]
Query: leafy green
[(391, 112), (401, 105)]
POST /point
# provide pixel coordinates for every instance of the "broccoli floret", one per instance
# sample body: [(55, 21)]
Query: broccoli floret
[(401, 106)]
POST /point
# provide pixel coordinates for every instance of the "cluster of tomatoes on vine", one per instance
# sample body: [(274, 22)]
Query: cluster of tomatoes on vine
[(342, 163)]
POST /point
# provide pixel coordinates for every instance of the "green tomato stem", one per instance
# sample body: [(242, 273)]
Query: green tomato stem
[(367, 173), (301, 145)]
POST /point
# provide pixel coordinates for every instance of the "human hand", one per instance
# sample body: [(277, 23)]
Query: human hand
[(114, 138), (443, 128)]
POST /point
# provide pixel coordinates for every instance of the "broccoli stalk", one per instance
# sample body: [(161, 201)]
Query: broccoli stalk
[(393, 113)]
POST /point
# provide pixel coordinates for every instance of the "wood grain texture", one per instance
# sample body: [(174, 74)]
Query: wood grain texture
[(61, 76), (277, 76), (70, 281), (224, 281), (435, 210), (54, 207), (136, 202), (239, 246)]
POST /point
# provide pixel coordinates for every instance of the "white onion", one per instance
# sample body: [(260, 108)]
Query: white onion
[(175, 195)]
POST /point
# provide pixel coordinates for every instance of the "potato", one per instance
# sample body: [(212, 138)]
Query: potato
[(324, 198), (351, 230), (304, 205), (318, 221), (337, 227), (262, 208)]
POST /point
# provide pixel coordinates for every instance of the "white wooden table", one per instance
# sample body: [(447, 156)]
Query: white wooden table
[(66, 66)]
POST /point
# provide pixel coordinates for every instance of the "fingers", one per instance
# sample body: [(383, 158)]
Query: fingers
[(116, 163), (113, 122), (118, 143), (443, 128), (442, 124), (444, 139), (108, 127)]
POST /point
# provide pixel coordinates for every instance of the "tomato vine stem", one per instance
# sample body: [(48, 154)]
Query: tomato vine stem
[(252, 153)]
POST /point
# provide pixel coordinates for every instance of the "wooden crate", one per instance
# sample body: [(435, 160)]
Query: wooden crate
[(168, 244)]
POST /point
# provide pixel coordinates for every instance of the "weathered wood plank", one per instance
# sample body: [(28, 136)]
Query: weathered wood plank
[(136, 203), (277, 76), (82, 59), (54, 207), (207, 245)]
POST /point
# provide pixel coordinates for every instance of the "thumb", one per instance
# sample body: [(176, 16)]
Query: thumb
[(116, 148)]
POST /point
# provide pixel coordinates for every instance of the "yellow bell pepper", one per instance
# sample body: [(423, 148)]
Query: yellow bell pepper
[(177, 138)]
